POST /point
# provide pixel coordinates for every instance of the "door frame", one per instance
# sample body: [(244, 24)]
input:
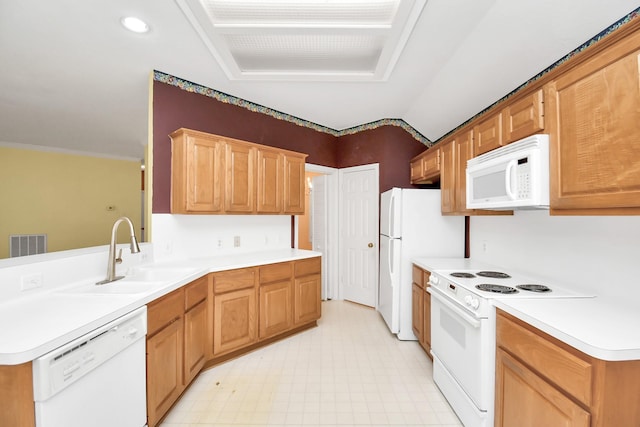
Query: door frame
[(333, 236), (341, 268)]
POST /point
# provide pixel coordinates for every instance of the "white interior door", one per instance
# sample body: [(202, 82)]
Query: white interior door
[(318, 227), (359, 191)]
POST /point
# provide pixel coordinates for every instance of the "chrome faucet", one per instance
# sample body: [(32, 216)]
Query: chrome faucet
[(111, 264)]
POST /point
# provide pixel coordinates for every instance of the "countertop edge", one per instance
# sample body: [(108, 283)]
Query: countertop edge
[(201, 267), (611, 355)]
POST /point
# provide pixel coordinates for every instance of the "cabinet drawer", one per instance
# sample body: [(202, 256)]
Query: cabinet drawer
[(195, 292), (275, 272), (551, 360), (417, 276), (231, 280), (164, 311), (307, 266)]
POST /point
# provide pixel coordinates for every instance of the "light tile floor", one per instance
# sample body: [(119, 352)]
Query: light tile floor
[(349, 371)]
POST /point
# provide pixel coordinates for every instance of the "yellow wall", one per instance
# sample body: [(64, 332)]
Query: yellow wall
[(66, 196)]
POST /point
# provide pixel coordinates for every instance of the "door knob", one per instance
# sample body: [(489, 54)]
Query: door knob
[(370, 245)]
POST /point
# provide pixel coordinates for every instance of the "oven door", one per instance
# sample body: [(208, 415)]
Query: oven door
[(463, 345)]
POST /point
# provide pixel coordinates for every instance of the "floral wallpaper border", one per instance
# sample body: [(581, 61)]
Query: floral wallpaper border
[(188, 86), (631, 16)]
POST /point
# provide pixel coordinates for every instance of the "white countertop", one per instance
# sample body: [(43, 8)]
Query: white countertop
[(604, 328), (600, 327), (35, 326), (431, 264)]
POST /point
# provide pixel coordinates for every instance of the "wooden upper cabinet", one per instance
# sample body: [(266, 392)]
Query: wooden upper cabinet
[(425, 168), (213, 174), (294, 184), (448, 178), (240, 178), (594, 123), (270, 181), (524, 117), (463, 152), (197, 165), (487, 135)]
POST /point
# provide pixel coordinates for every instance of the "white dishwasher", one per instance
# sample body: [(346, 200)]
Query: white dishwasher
[(97, 380)]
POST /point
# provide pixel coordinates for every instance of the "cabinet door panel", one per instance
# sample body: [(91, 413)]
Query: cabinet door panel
[(164, 370), (195, 330), (234, 320), (417, 312), (276, 314), (594, 126), (240, 185), (524, 117), (270, 181), (448, 178), (294, 187), (523, 399), (307, 304), (426, 331), (197, 172), (488, 134)]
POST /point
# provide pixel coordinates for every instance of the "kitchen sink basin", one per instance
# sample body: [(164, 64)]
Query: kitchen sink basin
[(124, 286), (156, 274)]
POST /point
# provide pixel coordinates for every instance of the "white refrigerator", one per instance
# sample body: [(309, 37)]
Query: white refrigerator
[(411, 226)]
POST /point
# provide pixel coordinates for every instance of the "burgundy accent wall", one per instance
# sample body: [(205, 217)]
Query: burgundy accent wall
[(174, 108), (390, 146)]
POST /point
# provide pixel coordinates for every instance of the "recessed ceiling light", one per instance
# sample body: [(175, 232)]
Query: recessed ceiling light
[(134, 24)]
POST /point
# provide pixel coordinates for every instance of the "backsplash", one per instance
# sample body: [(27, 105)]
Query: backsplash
[(196, 236), (598, 254), (45, 272)]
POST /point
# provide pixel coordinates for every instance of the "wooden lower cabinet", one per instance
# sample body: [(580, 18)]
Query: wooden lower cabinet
[(176, 344), (307, 306), (276, 315), (195, 335), (164, 370), (234, 320), (16, 396), (542, 381), (426, 332), (307, 291), (417, 312), (527, 400), (421, 308)]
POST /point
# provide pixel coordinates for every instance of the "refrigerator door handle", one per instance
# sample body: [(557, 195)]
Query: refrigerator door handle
[(392, 229), (390, 257)]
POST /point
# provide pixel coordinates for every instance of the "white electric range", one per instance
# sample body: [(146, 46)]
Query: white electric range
[(463, 334)]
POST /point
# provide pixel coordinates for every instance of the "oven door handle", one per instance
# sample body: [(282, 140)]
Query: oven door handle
[(457, 310)]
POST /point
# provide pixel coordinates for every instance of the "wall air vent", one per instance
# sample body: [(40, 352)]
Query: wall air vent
[(346, 40), (27, 244)]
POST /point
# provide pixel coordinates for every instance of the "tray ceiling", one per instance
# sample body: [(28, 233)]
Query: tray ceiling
[(311, 40)]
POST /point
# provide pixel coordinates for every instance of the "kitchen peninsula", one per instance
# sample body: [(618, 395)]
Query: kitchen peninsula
[(43, 319)]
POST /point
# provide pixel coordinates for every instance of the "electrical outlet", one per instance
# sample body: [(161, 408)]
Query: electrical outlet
[(484, 246), (219, 243), (236, 241), (31, 281)]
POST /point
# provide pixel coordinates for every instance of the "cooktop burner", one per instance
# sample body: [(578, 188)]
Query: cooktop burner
[(534, 288), (499, 289), (463, 275), (493, 274)]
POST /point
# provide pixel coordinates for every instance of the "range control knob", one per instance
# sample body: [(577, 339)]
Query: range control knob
[(472, 302), (434, 280)]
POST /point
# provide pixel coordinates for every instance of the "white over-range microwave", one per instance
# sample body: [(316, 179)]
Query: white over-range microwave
[(515, 176)]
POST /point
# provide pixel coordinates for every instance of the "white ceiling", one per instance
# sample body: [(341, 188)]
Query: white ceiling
[(74, 78)]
